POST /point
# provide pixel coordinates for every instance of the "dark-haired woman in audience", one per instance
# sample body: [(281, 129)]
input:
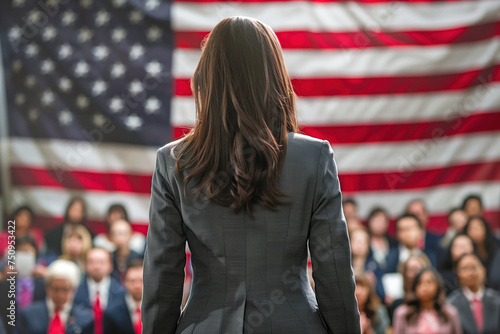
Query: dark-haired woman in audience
[(373, 314), (457, 218), (473, 205), (381, 243), (461, 244), (478, 229), (362, 261), (115, 212), (75, 214), (409, 271), (479, 306), (425, 311), (121, 232), (23, 217)]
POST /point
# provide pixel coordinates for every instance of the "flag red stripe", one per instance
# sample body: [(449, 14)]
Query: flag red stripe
[(80, 179), (351, 182), (310, 87), (411, 178), (362, 39), (397, 132)]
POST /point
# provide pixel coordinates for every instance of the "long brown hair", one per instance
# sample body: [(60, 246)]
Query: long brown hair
[(245, 106)]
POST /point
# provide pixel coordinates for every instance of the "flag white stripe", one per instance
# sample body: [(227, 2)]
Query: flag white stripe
[(414, 155), (374, 109), (346, 16), (61, 154), (369, 62)]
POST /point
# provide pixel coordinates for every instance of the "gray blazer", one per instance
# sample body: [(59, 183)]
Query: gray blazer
[(250, 275), (491, 311)]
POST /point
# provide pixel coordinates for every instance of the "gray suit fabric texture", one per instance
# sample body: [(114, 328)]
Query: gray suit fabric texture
[(250, 274)]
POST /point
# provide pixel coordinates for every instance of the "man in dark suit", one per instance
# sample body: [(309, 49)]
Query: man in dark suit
[(123, 315), (57, 313), (409, 231), (478, 306), (430, 241), (98, 288)]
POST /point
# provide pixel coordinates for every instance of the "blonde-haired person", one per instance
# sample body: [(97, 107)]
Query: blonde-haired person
[(57, 313), (75, 244)]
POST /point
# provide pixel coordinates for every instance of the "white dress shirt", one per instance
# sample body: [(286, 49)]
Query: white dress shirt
[(64, 313), (103, 287), (471, 295), (132, 306)]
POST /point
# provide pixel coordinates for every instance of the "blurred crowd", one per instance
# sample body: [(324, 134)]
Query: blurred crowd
[(71, 280)]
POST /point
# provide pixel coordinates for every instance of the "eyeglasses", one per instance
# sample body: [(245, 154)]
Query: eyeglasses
[(468, 268)]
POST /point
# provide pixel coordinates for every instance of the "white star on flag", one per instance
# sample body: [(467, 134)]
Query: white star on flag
[(99, 87), (100, 52), (65, 117), (117, 70), (136, 51), (133, 122), (152, 105), (81, 69), (154, 68)]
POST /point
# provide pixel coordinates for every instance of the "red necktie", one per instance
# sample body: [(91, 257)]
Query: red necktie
[(56, 325), (477, 311), (138, 323), (97, 315)]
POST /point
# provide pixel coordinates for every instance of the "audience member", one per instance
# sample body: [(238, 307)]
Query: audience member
[(124, 315), (121, 233), (494, 273), (479, 231), (23, 217), (76, 243), (98, 289), (408, 272), (380, 242), (362, 261), (409, 232), (28, 287), (430, 241), (57, 313), (479, 306), (75, 214), (350, 207), (116, 212), (461, 244), (373, 314), (425, 311), (457, 218), (473, 205)]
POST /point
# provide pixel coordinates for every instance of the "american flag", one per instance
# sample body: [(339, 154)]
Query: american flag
[(407, 92)]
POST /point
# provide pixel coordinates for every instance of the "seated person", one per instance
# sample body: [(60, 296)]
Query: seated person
[(75, 214), (121, 233), (29, 288), (57, 313), (373, 314), (98, 289), (425, 311), (124, 315), (479, 306), (115, 212)]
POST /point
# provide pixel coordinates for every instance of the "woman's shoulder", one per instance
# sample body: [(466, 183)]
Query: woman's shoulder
[(450, 309)]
